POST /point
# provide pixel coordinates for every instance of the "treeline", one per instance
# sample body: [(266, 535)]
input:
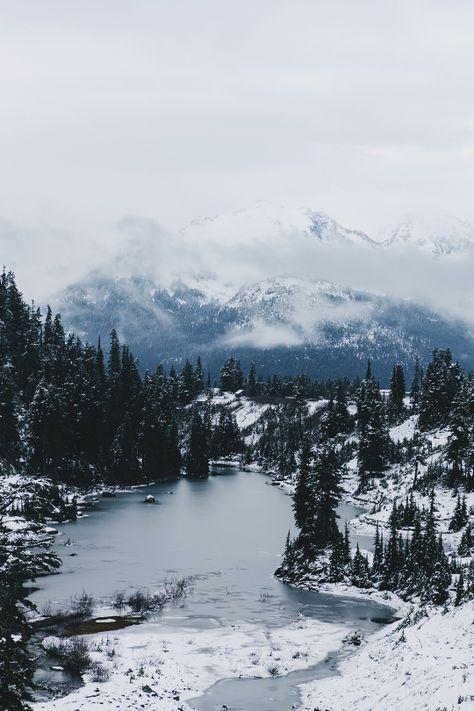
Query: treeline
[(77, 414), (233, 379), (413, 564)]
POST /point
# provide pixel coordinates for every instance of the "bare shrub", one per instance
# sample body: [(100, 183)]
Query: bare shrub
[(99, 672), (119, 601), (73, 653), (82, 605), (273, 670)]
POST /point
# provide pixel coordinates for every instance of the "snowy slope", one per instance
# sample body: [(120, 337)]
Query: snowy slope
[(253, 282), (439, 235), (426, 666), (270, 223), (284, 324)]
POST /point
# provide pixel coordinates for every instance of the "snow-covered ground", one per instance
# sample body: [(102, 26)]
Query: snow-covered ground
[(154, 666), (425, 661), (425, 665)]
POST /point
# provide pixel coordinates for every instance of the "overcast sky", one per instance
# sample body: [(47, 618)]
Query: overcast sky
[(169, 109)]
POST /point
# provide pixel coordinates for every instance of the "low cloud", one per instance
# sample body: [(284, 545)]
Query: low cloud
[(262, 335), (47, 260)]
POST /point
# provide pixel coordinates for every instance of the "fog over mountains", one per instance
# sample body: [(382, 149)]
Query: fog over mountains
[(291, 290)]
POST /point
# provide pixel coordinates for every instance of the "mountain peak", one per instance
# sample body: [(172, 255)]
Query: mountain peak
[(267, 221), (438, 234)]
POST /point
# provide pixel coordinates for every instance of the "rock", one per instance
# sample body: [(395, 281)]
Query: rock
[(354, 639), (148, 690), (150, 499), (108, 494)]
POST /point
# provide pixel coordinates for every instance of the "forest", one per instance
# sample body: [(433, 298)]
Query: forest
[(74, 416)]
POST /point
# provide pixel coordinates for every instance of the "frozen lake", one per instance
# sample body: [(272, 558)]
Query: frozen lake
[(227, 532)]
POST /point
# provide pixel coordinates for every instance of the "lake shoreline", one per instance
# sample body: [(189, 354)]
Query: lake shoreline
[(297, 645)]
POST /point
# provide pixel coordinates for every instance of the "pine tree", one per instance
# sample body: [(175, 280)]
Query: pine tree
[(251, 386), (336, 420), (416, 386), (392, 559), (304, 487), (373, 433), (289, 559), (232, 378), (198, 377), (360, 570), (373, 445), (114, 354), (460, 592), (378, 552), (338, 560), (9, 416), (197, 462), (442, 383), (396, 407), (459, 436), (440, 582), (467, 541), (327, 497), (460, 516), (186, 383), (18, 565)]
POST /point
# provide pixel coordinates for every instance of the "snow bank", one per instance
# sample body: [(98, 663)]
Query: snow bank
[(404, 431), (154, 666), (428, 665)]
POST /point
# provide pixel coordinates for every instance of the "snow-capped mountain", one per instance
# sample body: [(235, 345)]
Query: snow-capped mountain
[(270, 223), (271, 285), (439, 235), (283, 325)]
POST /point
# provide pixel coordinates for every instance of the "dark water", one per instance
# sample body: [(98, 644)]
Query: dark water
[(227, 532)]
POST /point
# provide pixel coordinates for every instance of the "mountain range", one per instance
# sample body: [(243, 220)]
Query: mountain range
[(291, 290)]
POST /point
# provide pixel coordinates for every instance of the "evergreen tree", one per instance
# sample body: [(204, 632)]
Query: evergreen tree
[(9, 416), (440, 582), (304, 487), (251, 386), (18, 565), (198, 377), (232, 378), (373, 433), (396, 407), (186, 383), (460, 592), (459, 436), (416, 386), (197, 463), (360, 570), (326, 497), (460, 516), (378, 552), (373, 445), (467, 541), (442, 383)]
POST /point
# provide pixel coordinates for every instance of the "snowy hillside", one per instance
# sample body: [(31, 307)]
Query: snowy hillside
[(283, 324), (270, 223), (438, 235), (271, 283)]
